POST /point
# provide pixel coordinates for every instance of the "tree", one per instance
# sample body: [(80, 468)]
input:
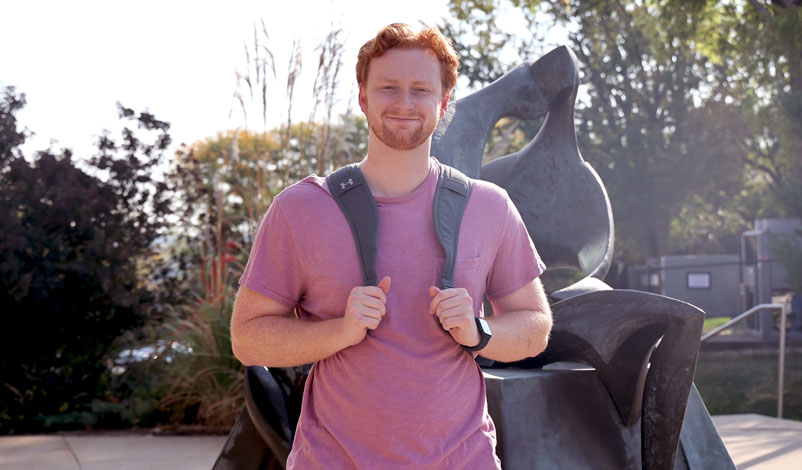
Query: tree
[(10, 137), (768, 86), (650, 123), (248, 169), (481, 43), (760, 44), (69, 280)]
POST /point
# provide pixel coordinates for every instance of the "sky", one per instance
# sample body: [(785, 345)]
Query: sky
[(177, 59)]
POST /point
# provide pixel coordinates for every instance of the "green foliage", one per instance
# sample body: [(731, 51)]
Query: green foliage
[(693, 109), (208, 377), (10, 137), (242, 171), (659, 138), (759, 44), (650, 123), (69, 280), (713, 323), (508, 136), (705, 227), (733, 382), (192, 377), (226, 184), (484, 45), (103, 257)]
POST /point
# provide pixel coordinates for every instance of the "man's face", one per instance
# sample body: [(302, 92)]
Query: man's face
[(403, 97)]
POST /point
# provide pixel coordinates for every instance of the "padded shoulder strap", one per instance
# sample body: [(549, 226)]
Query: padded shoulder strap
[(450, 198), (356, 202)]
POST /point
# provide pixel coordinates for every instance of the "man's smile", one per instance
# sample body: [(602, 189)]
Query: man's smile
[(403, 119)]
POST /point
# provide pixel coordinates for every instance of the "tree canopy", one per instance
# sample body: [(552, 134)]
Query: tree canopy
[(690, 110), (69, 278)]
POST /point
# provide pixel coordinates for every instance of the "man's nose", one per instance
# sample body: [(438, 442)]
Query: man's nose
[(405, 99)]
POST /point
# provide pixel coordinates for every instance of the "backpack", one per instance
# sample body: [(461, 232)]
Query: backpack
[(351, 192)]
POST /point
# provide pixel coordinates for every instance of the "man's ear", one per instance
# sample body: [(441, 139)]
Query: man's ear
[(444, 104), (363, 99)]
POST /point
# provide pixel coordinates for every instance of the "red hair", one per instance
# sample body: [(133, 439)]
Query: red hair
[(401, 35)]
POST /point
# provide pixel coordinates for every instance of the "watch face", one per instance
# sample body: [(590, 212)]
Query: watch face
[(484, 328)]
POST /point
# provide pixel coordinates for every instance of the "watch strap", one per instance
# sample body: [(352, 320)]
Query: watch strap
[(484, 335)]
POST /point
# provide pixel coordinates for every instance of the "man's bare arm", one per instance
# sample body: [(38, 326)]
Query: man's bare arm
[(265, 332), (521, 324)]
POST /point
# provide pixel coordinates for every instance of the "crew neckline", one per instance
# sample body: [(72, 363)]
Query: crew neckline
[(431, 179)]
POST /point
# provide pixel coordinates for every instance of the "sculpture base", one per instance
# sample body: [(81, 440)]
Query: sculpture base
[(562, 417), (553, 418)]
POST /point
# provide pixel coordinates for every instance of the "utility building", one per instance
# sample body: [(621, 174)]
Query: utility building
[(708, 281)]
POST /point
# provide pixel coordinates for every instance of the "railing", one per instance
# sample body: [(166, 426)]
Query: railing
[(785, 310)]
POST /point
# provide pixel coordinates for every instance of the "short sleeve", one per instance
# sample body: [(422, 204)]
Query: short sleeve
[(516, 262), (273, 267)]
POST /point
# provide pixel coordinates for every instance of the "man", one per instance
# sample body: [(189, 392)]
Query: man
[(393, 385)]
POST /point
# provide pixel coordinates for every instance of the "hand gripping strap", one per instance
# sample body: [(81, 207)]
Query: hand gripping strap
[(450, 198), (351, 192)]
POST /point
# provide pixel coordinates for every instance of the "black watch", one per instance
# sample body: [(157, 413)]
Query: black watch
[(484, 335)]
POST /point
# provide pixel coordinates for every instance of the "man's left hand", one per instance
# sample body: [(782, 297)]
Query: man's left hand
[(454, 309)]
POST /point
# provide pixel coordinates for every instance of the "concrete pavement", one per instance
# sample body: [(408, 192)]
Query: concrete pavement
[(117, 451), (755, 442)]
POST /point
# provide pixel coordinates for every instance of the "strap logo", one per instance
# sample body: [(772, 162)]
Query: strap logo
[(346, 184)]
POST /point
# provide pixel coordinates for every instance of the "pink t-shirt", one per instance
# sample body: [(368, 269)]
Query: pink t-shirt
[(408, 396)]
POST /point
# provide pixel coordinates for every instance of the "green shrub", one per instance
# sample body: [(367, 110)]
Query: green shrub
[(736, 382), (69, 280)]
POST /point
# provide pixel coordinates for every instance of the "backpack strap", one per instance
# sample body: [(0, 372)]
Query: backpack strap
[(450, 198), (352, 194)]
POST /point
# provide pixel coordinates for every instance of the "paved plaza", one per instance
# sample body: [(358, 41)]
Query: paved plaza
[(755, 442)]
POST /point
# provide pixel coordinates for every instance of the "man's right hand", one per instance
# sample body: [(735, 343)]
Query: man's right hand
[(364, 310)]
